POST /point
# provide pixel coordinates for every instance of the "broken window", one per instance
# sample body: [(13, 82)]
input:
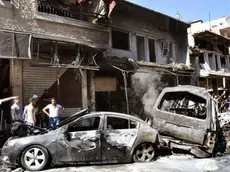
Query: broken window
[(140, 48), (184, 103), (52, 52), (120, 40), (120, 123), (223, 62), (217, 66), (201, 59), (167, 49), (152, 52), (85, 124)]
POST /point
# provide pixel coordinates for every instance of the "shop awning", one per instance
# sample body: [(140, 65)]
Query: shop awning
[(15, 45), (113, 62)]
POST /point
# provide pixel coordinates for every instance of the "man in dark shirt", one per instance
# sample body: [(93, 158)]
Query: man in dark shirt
[(16, 111)]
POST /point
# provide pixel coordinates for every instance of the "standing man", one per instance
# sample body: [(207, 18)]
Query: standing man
[(55, 110), (16, 111), (30, 111)]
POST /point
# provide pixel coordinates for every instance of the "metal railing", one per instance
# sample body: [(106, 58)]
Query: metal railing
[(47, 8)]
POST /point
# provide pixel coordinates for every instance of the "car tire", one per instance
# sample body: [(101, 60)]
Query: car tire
[(145, 152), (35, 158)]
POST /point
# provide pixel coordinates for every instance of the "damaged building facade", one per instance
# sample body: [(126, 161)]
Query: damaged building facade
[(53, 49), (209, 54)]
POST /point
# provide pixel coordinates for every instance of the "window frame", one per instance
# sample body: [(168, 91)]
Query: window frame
[(86, 117), (178, 114), (145, 47), (121, 31), (113, 116), (170, 48)]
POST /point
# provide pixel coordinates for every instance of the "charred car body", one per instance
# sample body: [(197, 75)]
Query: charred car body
[(183, 117), (100, 137), (187, 118)]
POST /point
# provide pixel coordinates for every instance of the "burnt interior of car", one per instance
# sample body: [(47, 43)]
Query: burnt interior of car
[(114, 123), (184, 103), (86, 124)]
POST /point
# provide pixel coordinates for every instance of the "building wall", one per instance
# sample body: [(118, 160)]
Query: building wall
[(137, 26), (27, 19)]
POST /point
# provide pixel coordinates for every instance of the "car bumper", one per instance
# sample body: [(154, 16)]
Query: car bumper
[(9, 156)]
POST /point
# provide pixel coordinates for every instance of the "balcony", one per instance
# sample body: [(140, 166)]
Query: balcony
[(69, 9)]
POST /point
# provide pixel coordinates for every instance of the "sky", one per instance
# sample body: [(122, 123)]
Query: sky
[(189, 9)]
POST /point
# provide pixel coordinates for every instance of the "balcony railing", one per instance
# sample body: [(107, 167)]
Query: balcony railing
[(79, 14), (46, 8)]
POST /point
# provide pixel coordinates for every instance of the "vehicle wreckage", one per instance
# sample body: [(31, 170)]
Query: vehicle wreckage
[(183, 118), (99, 137)]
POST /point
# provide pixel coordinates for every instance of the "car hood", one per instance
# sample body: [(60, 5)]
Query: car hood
[(71, 118)]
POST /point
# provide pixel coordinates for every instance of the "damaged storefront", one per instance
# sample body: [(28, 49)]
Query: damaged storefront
[(48, 68)]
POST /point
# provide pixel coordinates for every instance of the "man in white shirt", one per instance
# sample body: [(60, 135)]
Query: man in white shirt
[(55, 110), (30, 111)]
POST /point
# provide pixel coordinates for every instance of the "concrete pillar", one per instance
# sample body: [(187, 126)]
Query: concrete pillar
[(84, 89), (91, 91), (16, 78)]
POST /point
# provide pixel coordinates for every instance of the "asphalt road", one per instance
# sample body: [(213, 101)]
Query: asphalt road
[(173, 163)]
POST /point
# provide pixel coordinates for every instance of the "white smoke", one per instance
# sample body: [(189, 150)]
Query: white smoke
[(147, 86)]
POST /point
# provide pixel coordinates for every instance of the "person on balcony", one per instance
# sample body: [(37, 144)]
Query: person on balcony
[(99, 8)]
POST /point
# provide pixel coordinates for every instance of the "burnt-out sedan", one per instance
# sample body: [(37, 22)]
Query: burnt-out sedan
[(100, 137)]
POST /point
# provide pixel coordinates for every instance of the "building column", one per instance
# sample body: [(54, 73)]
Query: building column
[(84, 95), (91, 91), (16, 78)]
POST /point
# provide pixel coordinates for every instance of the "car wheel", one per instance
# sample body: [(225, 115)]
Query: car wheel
[(35, 158), (145, 152)]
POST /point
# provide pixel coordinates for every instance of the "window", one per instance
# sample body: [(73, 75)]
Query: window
[(120, 123), (201, 59), (167, 49), (86, 124), (152, 53), (217, 66), (140, 48), (223, 62), (120, 40), (184, 103)]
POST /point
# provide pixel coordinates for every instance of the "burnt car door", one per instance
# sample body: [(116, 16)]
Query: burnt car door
[(82, 141), (183, 115), (118, 138)]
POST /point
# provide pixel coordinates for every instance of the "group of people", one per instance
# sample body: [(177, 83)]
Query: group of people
[(223, 101), (28, 115)]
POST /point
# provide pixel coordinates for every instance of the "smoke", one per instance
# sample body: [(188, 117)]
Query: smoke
[(147, 86)]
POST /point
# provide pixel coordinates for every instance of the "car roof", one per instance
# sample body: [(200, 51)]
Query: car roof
[(122, 115), (202, 92)]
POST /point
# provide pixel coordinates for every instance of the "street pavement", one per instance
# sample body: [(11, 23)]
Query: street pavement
[(173, 163)]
